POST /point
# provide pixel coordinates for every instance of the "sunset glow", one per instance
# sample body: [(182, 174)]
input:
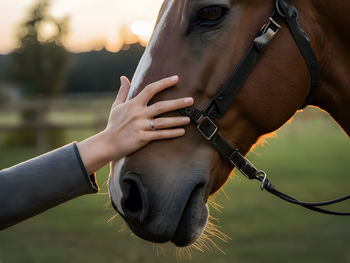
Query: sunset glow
[(143, 29), (93, 24), (47, 31)]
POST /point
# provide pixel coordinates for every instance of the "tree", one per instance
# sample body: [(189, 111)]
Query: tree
[(39, 66), (40, 62)]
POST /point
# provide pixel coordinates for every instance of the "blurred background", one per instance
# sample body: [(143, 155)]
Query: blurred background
[(60, 63)]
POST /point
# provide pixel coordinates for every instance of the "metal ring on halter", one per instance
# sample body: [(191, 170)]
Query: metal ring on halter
[(152, 125), (262, 176)]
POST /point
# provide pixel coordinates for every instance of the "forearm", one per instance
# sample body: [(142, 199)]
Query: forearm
[(36, 185)]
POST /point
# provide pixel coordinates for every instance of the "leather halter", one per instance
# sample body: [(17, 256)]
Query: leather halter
[(284, 10)]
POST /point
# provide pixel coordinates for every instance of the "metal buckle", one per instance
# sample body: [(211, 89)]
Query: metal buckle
[(262, 177), (275, 23), (267, 26), (267, 33), (207, 127), (268, 30)]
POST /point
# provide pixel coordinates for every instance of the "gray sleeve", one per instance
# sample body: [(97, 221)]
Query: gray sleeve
[(34, 186)]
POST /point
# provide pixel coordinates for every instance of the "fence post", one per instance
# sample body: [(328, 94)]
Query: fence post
[(42, 127)]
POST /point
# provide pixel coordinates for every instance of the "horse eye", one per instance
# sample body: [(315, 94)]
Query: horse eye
[(211, 15)]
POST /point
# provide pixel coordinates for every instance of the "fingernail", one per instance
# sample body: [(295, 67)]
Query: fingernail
[(181, 131), (186, 119), (188, 100), (174, 78)]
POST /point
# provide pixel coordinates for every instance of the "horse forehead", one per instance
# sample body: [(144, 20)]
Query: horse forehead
[(171, 11), (146, 60)]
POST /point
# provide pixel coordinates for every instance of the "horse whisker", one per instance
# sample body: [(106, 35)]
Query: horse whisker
[(112, 218), (225, 194), (215, 205)]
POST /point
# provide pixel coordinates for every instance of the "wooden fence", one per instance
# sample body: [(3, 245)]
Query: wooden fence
[(95, 106)]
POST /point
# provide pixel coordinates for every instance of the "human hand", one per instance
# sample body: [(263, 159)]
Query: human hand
[(130, 124)]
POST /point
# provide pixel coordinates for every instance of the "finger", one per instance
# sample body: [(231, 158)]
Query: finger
[(147, 93), (169, 105), (165, 123), (164, 134), (123, 91)]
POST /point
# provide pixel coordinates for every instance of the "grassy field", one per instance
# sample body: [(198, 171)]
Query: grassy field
[(309, 159)]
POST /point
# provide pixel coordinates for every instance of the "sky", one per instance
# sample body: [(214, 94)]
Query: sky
[(93, 23)]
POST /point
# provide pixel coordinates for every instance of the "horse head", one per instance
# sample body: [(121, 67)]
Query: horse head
[(161, 190)]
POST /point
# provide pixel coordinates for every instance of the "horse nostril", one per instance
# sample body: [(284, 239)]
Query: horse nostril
[(134, 202)]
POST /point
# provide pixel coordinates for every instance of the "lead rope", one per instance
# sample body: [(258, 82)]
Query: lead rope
[(209, 131), (266, 184)]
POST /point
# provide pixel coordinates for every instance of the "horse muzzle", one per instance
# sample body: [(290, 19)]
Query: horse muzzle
[(177, 213)]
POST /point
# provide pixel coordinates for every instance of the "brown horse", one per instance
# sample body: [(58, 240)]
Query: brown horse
[(162, 190)]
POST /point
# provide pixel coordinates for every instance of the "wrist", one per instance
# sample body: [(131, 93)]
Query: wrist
[(94, 152), (108, 144)]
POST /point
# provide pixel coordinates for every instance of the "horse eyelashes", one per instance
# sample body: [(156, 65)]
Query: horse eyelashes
[(208, 17)]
